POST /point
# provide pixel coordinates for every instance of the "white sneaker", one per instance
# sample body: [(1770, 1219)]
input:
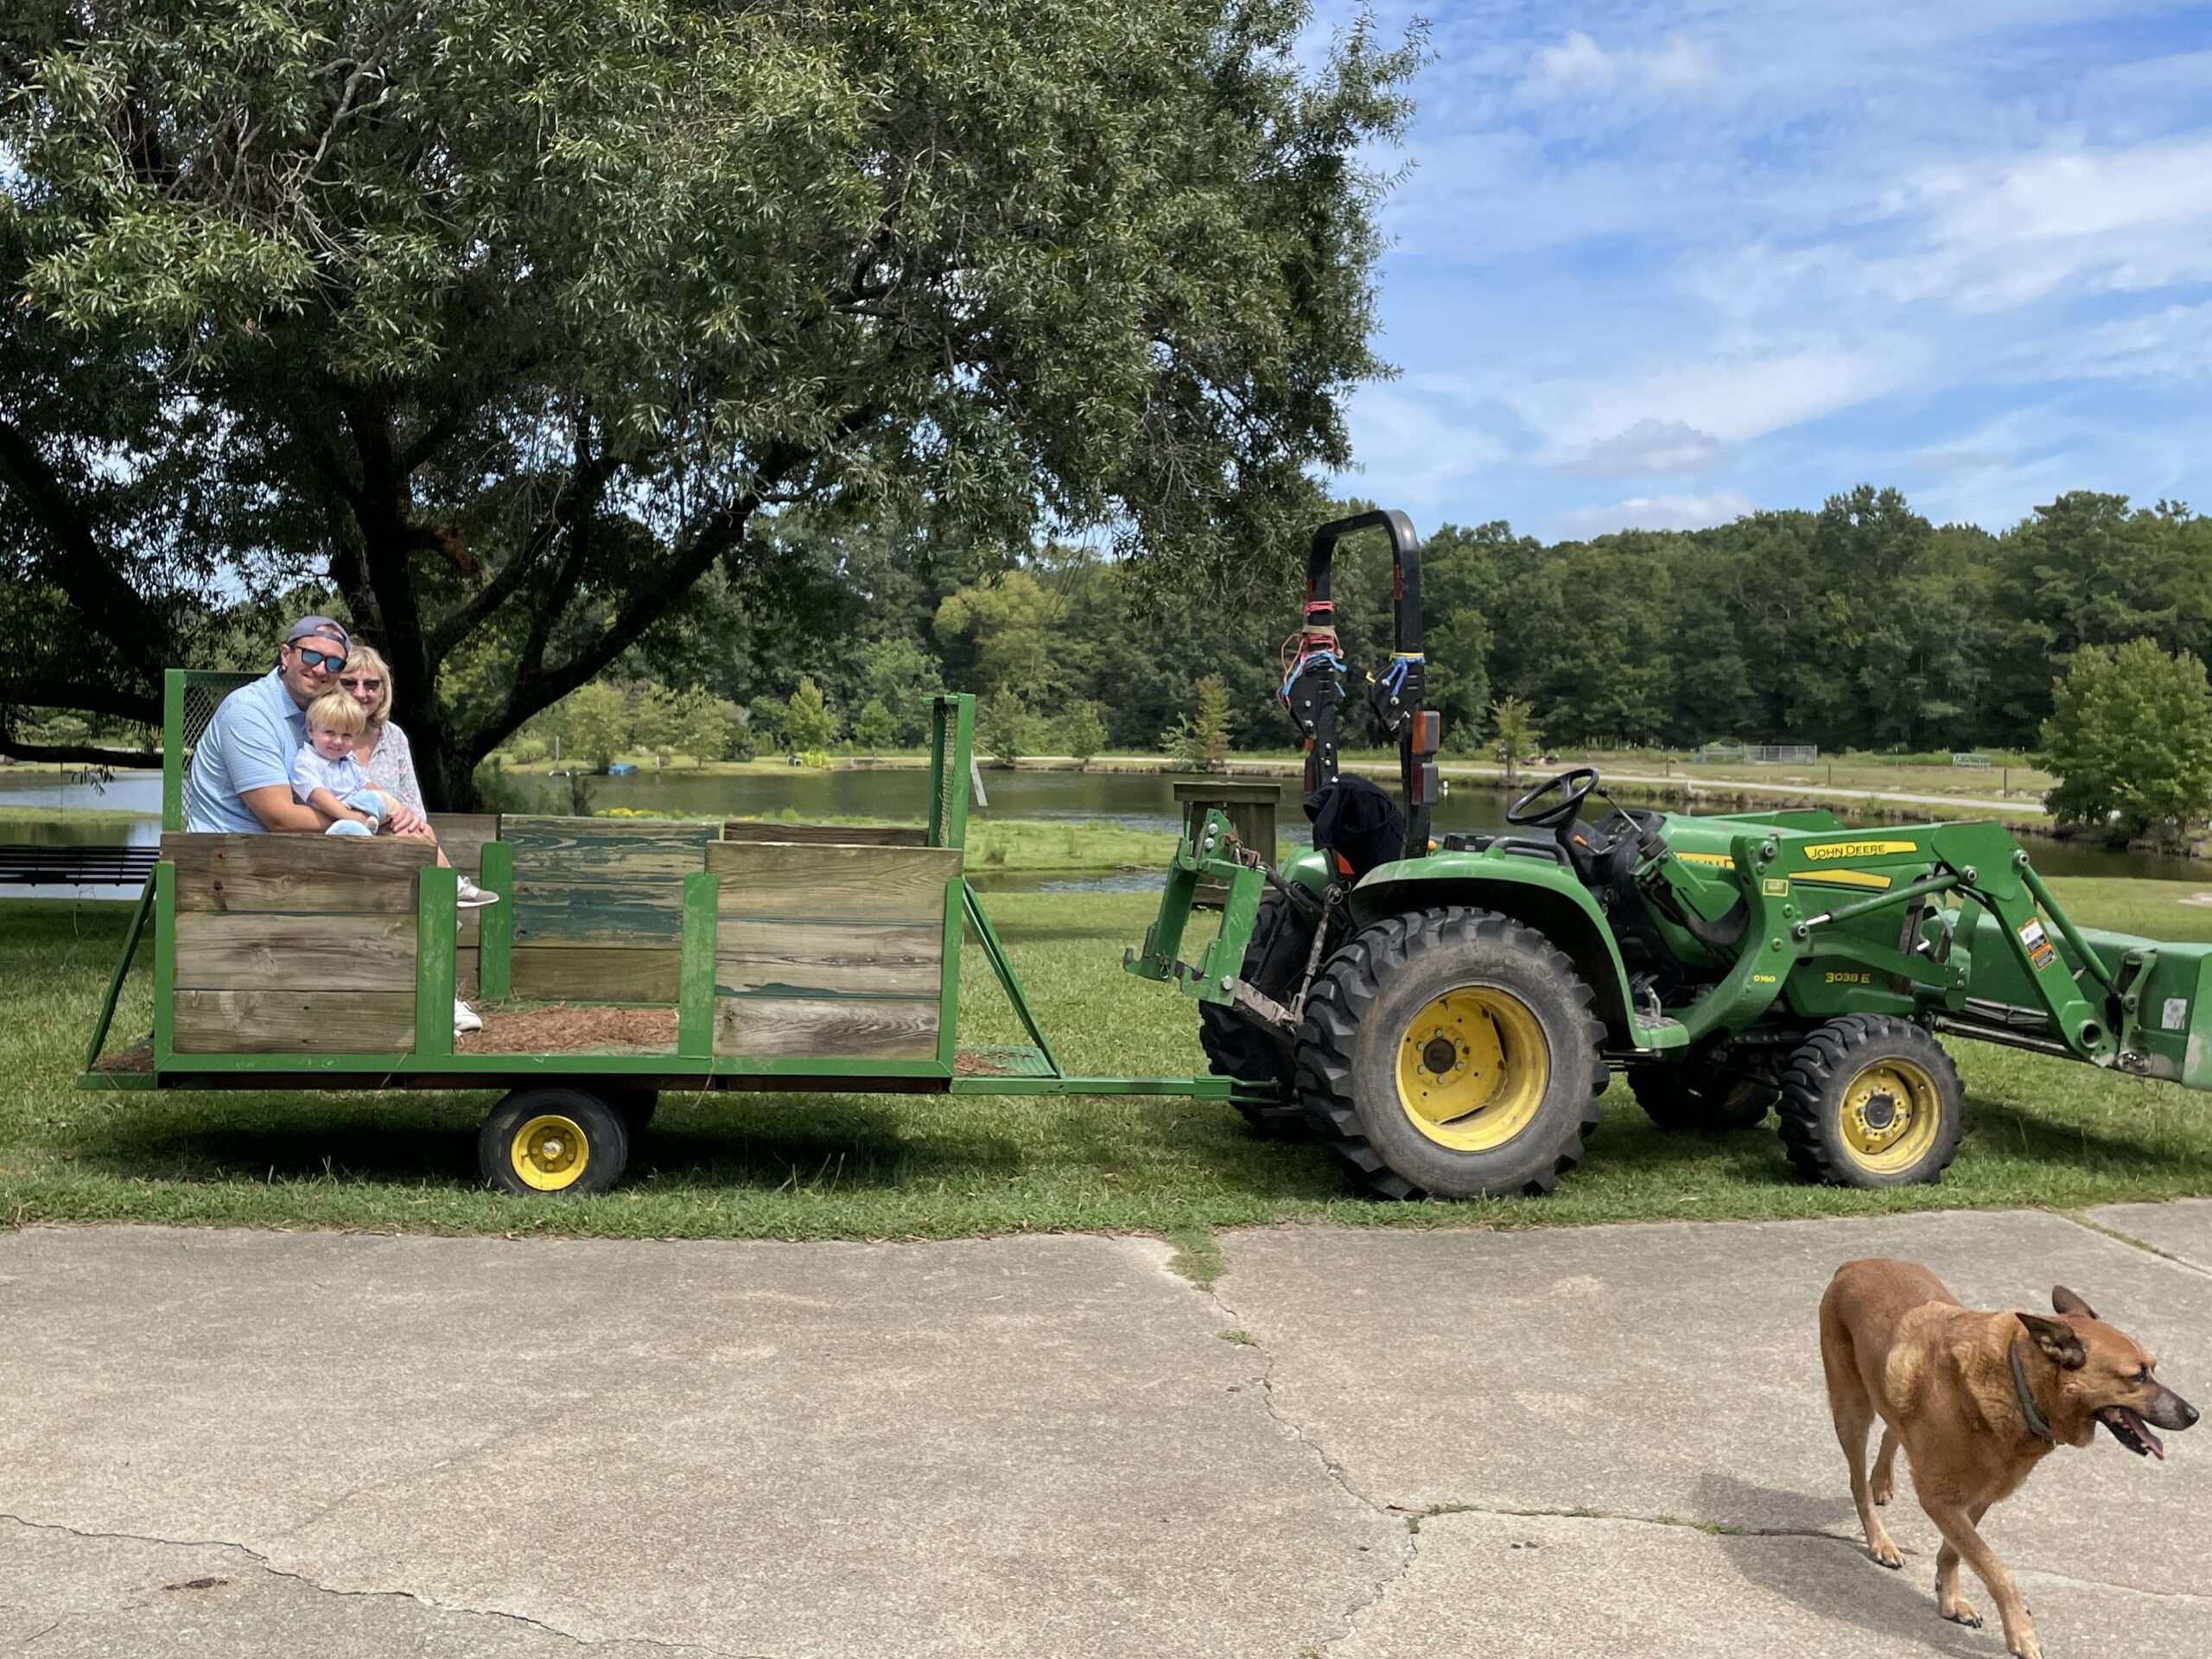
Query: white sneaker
[(466, 1018), (470, 895)]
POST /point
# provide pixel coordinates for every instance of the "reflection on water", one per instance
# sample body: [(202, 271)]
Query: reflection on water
[(1131, 800)]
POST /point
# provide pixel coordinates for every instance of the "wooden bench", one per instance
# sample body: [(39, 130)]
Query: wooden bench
[(41, 864)]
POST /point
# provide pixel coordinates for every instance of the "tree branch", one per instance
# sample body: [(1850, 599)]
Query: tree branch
[(571, 509), (105, 603), (93, 697)]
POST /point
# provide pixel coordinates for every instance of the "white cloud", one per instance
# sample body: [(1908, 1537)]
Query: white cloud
[(1656, 512), (1827, 241), (1649, 445), (1414, 449), (1579, 66), (1732, 396)]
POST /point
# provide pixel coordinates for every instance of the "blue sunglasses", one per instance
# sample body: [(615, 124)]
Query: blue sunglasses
[(322, 660)]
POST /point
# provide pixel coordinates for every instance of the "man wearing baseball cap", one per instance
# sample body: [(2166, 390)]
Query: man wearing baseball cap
[(240, 780)]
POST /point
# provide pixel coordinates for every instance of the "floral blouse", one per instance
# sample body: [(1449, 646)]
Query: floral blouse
[(391, 768)]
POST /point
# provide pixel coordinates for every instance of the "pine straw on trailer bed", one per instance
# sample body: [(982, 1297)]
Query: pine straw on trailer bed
[(566, 1028)]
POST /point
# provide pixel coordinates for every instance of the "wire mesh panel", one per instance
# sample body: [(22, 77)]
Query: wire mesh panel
[(191, 697), (955, 750)]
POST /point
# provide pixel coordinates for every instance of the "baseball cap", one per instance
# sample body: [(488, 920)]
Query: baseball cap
[(307, 627)]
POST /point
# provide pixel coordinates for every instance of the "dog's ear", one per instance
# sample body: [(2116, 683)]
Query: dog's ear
[(2058, 1341), (2065, 1301)]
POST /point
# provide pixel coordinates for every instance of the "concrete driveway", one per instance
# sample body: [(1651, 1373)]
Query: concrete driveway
[(1358, 1443)]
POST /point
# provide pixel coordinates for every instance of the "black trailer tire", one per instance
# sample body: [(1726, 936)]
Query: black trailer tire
[(1689, 1098), (558, 1141), (1872, 1101), (1238, 1046), (1452, 1053)]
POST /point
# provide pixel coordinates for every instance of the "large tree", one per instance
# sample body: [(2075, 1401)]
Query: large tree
[(511, 323)]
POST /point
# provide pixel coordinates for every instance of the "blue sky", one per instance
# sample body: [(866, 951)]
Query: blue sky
[(1664, 264)]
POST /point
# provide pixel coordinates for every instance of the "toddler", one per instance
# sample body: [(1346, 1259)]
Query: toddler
[(326, 775)]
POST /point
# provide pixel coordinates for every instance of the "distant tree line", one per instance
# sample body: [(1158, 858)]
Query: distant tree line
[(1861, 625)]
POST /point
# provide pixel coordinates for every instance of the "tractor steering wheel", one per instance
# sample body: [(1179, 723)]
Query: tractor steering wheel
[(1578, 781)]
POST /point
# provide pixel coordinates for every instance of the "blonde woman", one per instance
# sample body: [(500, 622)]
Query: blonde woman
[(382, 754)]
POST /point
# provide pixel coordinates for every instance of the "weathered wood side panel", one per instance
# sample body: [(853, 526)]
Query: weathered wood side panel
[(228, 950), (841, 834), (598, 905), (602, 910), (826, 883), (299, 874), (795, 958), (462, 836), (295, 1022), (595, 973), (573, 848), (877, 1028)]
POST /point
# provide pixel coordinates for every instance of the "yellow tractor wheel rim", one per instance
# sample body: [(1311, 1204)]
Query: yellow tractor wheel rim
[(550, 1152), (1472, 1068), (1891, 1110)]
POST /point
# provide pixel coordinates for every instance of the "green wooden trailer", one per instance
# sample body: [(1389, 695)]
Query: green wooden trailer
[(624, 958)]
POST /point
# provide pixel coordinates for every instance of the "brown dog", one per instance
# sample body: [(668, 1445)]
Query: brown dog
[(1975, 1400)]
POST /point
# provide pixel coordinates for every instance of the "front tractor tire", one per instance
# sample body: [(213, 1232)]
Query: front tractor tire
[(1450, 1053), (1872, 1101)]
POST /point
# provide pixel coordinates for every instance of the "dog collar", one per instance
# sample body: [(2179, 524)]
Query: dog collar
[(2037, 1421)]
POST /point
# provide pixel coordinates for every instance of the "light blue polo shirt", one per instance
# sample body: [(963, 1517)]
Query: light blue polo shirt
[(248, 745)]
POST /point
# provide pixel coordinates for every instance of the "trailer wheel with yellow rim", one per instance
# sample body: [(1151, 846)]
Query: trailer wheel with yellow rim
[(1870, 1100), (553, 1142), (1450, 1053)]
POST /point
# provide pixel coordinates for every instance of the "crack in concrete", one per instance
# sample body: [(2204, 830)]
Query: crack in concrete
[(2081, 1219), (1712, 1528), (1335, 1470), (273, 1571), (466, 1454)]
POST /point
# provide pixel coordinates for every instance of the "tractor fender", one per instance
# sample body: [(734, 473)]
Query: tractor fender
[(1546, 896)]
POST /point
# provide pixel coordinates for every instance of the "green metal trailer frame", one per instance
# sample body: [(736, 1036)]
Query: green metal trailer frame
[(432, 1063)]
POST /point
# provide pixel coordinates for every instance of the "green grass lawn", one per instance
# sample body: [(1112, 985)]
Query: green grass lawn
[(2043, 1132)]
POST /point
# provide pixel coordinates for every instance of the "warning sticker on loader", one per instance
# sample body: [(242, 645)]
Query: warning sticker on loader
[(2039, 951), (2175, 1014)]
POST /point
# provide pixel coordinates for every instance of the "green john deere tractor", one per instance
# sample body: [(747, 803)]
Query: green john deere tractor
[(1443, 1014)]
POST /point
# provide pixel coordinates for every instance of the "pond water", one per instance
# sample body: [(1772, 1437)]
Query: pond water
[(1136, 800)]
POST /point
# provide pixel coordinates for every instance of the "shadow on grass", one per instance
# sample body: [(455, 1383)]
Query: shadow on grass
[(737, 1143), (1999, 1128)]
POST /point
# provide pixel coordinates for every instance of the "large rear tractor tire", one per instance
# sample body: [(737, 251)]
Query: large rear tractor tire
[(1701, 1099), (1450, 1053), (1237, 1047), (1869, 1100)]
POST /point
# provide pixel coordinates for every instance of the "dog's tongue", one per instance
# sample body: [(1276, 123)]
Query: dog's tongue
[(2138, 1426)]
